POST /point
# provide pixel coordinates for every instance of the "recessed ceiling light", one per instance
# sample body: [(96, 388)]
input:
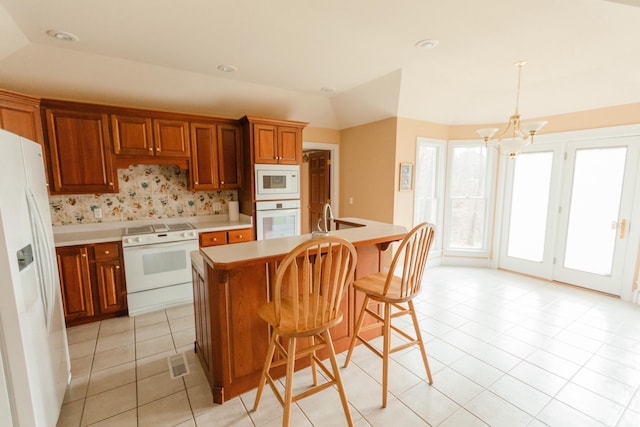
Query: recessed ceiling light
[(427, 43), (327, 89), (62, 36), (228, 68)]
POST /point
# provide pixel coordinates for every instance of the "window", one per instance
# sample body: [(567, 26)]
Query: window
[(429, 186), (468, 197)]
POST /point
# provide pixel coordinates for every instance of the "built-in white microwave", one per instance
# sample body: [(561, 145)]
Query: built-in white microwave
[(277, 182)]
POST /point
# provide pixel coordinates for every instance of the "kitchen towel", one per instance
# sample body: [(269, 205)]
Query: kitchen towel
[(234, 211)]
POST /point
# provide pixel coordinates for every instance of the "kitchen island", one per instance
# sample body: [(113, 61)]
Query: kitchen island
[(231, 282)]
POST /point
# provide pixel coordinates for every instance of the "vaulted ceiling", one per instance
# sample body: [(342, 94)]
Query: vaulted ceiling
[(164, 54)]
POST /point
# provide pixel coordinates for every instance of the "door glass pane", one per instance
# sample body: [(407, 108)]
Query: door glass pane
[(595, 205), (468, 197), (529, 206), (426, 184)]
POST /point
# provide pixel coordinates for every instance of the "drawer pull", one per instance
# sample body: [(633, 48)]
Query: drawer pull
[(106, 252), (240, 236)]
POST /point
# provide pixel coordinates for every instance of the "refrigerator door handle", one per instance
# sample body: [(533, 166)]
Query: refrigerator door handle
[(45, 269)]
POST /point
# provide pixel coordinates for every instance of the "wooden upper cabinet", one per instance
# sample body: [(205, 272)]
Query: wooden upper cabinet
[(215, 156), (171, 138), (144, 136), (20, 114), (79, 146), (275, 141), (132, 135), (229, 156)]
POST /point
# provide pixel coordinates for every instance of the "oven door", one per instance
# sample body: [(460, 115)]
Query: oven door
[(271, 224), (158, 265)]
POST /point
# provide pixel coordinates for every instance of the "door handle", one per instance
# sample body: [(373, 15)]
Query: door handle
[(622, 228)]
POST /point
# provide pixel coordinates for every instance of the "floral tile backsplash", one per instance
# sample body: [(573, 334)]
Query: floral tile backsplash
[(145, 192)]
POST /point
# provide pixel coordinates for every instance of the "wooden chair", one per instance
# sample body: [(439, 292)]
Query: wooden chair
[(310, 283), (396, 292)]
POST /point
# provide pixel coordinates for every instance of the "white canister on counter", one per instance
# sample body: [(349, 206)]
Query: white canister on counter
[(234, 210)]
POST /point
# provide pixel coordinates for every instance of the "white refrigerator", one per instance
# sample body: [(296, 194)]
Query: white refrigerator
[(34, 355)]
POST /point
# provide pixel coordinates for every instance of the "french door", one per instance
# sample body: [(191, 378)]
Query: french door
[(567, 211)]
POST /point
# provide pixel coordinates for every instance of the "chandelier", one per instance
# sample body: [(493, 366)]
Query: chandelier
[(517, 134)]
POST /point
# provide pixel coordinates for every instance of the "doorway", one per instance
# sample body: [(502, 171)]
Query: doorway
[(332, 175), (567, 211), (319, 185)]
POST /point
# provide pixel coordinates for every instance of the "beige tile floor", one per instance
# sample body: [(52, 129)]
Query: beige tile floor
[(505, 350)]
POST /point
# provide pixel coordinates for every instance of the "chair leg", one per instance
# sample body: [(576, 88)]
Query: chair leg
[(336, 373), (288, 391), (386, 332), (357, 330), (265, 369), (420, 342), (312, 356)]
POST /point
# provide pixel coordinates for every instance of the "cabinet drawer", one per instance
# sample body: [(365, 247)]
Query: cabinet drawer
[(106, 251), (244, 235), (213, 238)]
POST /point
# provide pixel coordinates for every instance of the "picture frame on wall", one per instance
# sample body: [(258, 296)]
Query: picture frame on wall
[(406, 176)]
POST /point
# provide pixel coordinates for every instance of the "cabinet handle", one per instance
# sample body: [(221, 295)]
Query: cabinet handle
[(240, 236), (111, 183), (158, 149), (215, 239), (196, 182), (84, 255), (117, 267), (150, 148), (221, 182)]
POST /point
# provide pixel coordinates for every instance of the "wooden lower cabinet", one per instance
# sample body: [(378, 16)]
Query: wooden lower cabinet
[(203, 318), (92, 282), (75, 282), (232, 340), (215, 238)]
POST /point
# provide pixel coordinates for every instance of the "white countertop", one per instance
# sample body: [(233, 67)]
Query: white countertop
[(227, 256), (82, 234)]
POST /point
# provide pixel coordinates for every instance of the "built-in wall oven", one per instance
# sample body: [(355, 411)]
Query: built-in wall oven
[(279, 218), (157, 266)]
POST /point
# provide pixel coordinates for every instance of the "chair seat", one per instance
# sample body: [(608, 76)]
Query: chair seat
[(287, 325), (373, 285)]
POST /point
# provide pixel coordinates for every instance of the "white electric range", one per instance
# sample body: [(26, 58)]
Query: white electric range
[(157, 266)]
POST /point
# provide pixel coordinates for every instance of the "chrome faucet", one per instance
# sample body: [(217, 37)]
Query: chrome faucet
[(324, 223)]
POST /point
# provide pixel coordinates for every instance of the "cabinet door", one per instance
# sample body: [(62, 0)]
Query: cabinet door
[(132, 135), (289, 145), (265, 140), (110, 283), (80, 149), (24, 122), (202, 318), (229, 156), (171, 138), (204, 157), (75, 282)]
